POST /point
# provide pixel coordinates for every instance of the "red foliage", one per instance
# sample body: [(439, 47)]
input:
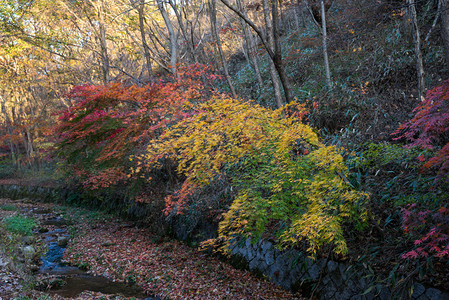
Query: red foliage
[(105, 124), (433, 229), (429, 128)]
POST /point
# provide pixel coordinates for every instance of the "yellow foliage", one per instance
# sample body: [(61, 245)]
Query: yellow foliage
[(283, 173)]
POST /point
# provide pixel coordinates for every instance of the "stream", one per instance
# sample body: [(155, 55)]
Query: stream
[(70, 281)]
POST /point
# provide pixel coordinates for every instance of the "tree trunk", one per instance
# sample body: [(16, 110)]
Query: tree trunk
[(250, 45), (270, 38), (9, 131), (445, 28), (146, 49), (171, 35), (278, 51), (213, 23), (275, 55), (103, 43), (254, 56), (325, 54), (417, 43), (299, 11), (190, 45)]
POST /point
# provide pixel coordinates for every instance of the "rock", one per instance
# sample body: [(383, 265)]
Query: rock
[(343, 269), (444, 296), (269, 258), (266, 246), (418, 290), (63, 241), (314, 272), (28, 251), (384, 294), (332, 266), (3, 263), (433, 294)]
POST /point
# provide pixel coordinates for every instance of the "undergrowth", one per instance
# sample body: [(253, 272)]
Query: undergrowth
[(19, 224)]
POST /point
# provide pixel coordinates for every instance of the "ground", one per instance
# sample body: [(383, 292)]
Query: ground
[(122, 252)]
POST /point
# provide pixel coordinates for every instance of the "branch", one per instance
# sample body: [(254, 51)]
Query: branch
[(127, 74), (434, 21), (252, 25)]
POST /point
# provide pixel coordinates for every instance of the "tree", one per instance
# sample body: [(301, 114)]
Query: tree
[(146, 48), (445, 28), (250, 46), (188, 41), (271, 41), (428, 129), (316, 9), (324, 33), (417, 44), (213, 24), (276, 54), (172, 36)]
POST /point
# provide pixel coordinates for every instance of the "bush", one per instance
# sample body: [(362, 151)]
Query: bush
[(7, 169), (390, 172), (290, 186), (9, 207), (431, 230), (107, 123), (429, 129)]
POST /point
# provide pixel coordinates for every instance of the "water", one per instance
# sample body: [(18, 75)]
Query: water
[(74, 280)]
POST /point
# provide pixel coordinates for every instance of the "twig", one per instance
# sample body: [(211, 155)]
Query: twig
[(434, 21)]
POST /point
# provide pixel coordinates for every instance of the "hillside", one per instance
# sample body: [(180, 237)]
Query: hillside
[(314, 127)]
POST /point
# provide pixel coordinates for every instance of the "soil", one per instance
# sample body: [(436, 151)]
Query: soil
[(118, 255)]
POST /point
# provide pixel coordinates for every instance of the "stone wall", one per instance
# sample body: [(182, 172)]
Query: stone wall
[(293, 270), (39, 193)]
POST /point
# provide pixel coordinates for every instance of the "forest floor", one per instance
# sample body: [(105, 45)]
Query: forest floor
[(107, 246)]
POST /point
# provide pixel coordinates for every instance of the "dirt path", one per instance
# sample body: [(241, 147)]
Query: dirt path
[(121, 252)]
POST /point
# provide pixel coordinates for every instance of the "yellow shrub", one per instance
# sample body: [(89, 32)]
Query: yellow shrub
[(291, 187)]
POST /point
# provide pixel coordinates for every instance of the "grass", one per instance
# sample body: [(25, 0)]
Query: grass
[(8, 207), (41, 297), (20, 224)]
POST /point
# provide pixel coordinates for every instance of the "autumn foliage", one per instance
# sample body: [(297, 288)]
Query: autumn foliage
[(107, 123), (432, 228), (289, 186), (429, 128)]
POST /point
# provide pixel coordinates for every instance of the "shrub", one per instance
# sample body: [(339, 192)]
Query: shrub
[(9, 207), (390, 172), (431, 230), (429, 128), (290, 186), (107, 123)]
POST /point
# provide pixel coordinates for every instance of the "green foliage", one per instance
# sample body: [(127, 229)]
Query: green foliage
[(388, 156), (20, 224), (8, 207), (292, 199), (391, 172), (40, 297), (7, 169)]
